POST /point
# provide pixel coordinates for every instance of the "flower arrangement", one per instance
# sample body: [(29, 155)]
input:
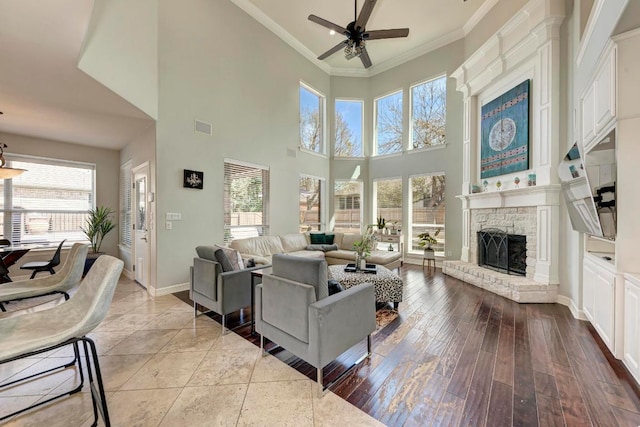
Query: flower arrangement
[(367, 243), (426, 239)]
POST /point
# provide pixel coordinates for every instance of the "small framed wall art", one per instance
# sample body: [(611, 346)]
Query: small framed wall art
[(193, 179)]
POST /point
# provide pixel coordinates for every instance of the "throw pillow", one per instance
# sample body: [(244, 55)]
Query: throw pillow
[(334, 287), (331, 247), (234, 257), (224, 261), (316, 247), (317, 238), (328, 238)]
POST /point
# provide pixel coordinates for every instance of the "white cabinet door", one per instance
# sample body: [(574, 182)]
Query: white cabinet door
[(604, 299), (588, 284), (588, 118), (605, 92), (632, 327)]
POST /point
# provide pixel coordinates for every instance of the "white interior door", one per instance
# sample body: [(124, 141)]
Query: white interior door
[(141, 225)]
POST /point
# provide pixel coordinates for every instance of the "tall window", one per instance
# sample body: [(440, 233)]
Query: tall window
[(311, 189), (388, 134), (246, 200), (427, 210), (48, 203), (348, 129), (347, 206), (125, 204), (387, 200), (311, 119), (428, 113)]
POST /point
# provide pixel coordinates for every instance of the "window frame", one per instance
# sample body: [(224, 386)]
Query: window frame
[(125, 223), (360, 203), (75, 235), (375, 124), (374, 197), (322, 107), (335, 121), (321, 201), (261, 229), (410, 224), (411, 135)]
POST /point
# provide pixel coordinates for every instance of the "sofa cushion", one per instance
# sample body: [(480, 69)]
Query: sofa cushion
[(224, 261), (308, 254), (383, 257), (341, 254), (348, 239), (302, 269), (293, 242), (261, 246), (209, 253), (329, 238)]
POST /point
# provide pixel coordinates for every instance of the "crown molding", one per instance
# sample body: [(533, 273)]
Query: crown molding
[(272, 26), (477, 17)]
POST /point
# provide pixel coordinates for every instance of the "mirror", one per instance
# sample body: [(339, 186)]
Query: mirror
[(588, 186)]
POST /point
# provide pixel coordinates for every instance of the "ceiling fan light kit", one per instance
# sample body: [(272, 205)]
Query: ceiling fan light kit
[(356, 34)]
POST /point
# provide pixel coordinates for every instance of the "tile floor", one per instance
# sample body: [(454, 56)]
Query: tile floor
[(162, 367)]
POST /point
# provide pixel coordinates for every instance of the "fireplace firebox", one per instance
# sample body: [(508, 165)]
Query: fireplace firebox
[(502, 252)]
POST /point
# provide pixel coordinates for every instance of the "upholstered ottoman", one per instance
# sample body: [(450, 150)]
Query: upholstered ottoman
[(388, 285)]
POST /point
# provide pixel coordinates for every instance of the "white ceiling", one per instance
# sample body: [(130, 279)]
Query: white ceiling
[(44, 94), (431, 23), (42, 91)]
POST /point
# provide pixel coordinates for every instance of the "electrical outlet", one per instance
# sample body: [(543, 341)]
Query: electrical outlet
[(168, 225)]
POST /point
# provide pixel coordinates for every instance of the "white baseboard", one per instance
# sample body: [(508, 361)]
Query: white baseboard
[(128, 274), (568, 302), (156, 292)]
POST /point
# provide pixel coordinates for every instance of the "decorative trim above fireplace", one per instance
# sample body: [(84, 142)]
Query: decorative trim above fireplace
[(544, 195)]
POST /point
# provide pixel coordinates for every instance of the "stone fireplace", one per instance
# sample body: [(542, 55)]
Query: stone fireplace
[(527, 47)]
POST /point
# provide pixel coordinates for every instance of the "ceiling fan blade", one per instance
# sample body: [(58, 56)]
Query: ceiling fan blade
[(364, 57), (330, 25), (333, 50), (365, 13), (386, 34)]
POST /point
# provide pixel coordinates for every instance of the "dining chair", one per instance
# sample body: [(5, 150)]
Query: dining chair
[(31, 334), (38, 266)]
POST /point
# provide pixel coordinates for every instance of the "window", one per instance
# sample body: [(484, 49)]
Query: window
[(246, 200), (428, 113), (311, 119), (49, 202), (387, 200), (348, 215), (388, 135), (348, 129), (311, 203), (125, 204), (427, 210)]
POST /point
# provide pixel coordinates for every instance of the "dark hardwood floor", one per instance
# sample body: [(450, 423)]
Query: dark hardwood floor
[(459, 355)]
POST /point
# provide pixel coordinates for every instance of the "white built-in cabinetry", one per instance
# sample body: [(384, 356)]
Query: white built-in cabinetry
[(599, 296), (598, 103), (631, 352)]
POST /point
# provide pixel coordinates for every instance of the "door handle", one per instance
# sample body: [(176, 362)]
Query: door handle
[(143, 238)]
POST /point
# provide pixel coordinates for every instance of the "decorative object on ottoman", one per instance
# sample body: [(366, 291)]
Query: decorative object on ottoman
[(365, 245)]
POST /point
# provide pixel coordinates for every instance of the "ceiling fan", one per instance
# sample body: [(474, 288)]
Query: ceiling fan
[(356, 33)]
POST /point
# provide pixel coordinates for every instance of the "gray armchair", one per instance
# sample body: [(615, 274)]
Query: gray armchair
[(293, 310), (221, 292)]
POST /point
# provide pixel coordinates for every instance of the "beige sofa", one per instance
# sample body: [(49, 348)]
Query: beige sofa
[(262, 248)]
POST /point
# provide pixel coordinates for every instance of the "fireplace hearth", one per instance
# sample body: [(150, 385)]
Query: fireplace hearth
[(503, 252)]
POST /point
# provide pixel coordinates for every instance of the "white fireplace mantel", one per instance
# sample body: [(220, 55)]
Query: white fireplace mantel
[(543, 195)]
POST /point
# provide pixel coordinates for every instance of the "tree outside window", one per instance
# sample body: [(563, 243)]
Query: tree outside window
[(348, 129), (311, 119), (388, 200), (389, 124), (310, 203), (428, 113)]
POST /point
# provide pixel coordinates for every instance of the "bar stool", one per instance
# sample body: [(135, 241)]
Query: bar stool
[(430, 258)]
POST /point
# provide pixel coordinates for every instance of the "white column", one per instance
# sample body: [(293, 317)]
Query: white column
[(547, 245)]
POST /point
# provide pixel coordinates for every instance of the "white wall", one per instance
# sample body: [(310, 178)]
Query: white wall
[(218, 65), (120, 50), (107, 169)]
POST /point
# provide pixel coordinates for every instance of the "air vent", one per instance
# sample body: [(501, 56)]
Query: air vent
[(203, 127)]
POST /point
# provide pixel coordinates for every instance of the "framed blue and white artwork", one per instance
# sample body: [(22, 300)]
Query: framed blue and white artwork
[(505, 133)]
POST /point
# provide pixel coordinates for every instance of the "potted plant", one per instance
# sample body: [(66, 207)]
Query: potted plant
[(425, 240), (381, 223), (98, 224), (364, 246)]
